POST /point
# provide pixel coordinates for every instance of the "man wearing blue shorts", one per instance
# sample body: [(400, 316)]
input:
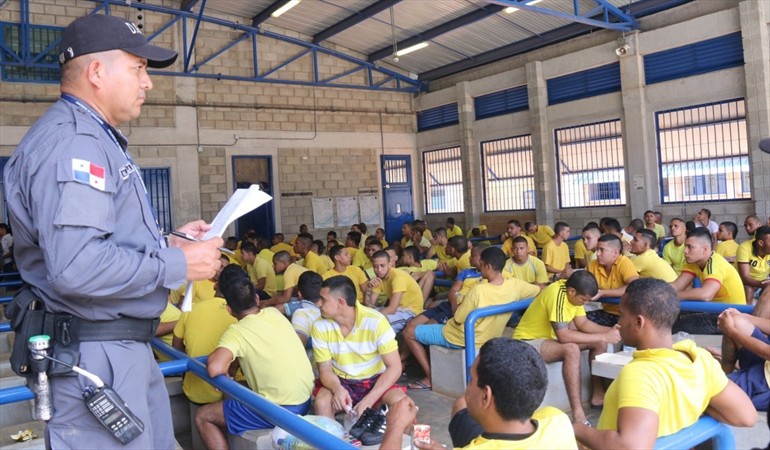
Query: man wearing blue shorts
[(273, 361)]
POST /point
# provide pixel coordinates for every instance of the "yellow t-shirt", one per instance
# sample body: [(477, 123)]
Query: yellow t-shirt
[(718, 269), (360, 260), (356, 275), (508, 246), (262, 269), (267, 255), (759, 267), (551, 305), (650, 265), (532, 271), (357, 356), (440, 252), (283, 247), (674, 255), (481, 295), (315, 263), (676, 384), (464, 261), (543, 234), (400, 281), (202, 290), (427, 235), (200, 330), (554, 430), (622, 272), (426, 265), (328, 263), (281, 373), (660, 231), (556, 256), (581, 252), (291, 275), (470, 277), (454, 231), (728, 250)]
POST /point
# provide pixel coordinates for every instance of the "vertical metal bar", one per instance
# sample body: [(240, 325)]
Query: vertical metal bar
[(198, 21), (255, 54)]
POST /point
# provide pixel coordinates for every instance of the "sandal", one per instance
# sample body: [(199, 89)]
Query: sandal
[(419, 386)]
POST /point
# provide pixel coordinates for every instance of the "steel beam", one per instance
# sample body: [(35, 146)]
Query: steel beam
[(461, 21), (265, 14), (354, 19), (623, 22)]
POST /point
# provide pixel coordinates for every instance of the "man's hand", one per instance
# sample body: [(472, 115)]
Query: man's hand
[(612, 336), (202, 258), (732, 322), (402, 415), (362, 405), (340, 399), (374, 282), (598, 295), (195, 229)]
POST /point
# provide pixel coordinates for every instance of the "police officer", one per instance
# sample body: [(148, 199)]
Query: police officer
[(87, 240)]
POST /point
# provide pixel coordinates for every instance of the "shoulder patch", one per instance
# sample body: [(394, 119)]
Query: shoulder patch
[(88, 173)]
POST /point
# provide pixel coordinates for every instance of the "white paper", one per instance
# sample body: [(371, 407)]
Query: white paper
[(241, 202), (370, 209), (618, 359), (347, 211), (323, 213)]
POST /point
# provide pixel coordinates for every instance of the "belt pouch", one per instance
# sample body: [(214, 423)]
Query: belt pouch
[(27, 315)]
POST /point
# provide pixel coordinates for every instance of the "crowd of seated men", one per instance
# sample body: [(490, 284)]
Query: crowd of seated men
[(348, 299)]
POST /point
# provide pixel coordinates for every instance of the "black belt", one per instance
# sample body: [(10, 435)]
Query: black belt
[(123, 329)]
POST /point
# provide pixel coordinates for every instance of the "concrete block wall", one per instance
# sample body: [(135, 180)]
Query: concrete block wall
[(634, 105)]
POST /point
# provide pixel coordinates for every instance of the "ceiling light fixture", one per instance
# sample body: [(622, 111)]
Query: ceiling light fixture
[(411, 49), (512, 9), (289, 5)]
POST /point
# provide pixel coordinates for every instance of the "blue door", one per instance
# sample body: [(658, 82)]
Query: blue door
[(248, 170), (397, 194)]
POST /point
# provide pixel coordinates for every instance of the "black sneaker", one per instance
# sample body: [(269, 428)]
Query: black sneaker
[(363, 422), (375, 431)]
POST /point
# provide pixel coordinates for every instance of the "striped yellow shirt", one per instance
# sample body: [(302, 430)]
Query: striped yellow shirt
[(358, 355)]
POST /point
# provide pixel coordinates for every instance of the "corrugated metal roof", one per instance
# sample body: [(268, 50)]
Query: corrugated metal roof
[(413, 17)]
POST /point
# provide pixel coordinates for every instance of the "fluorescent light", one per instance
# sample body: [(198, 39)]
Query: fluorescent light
[(411, 49), (511, 9), (289, 5)]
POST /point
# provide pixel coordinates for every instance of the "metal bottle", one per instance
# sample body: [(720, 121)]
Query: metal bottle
[(39, 346)]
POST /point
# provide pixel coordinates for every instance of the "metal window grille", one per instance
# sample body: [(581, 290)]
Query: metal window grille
[(590, 165), (443, 181), (396, 171), (509, 174), (703, 152), (158, 184), (42, 46)]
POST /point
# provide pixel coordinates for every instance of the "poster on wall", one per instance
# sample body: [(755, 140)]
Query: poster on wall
[(347, 211), (370, 209), (323, 213)]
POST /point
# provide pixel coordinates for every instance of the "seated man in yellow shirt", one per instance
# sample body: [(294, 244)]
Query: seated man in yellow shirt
[(279, 245), (273, 361), (673, 251), (727, 246), (342, 266), (452, 230), (613, 273), (666, 387), (556, 252), (439, 246), (310, 259), (260, 271), (458, 248), (423, 271), (583, 254), (541, 234), (753, 258), (590, 237), (513, 231), (647, 262), (720, 282), (650, 224), (404, 294), (285, 299), (496, 291), (524, 266), (500, 408), (549, 326)]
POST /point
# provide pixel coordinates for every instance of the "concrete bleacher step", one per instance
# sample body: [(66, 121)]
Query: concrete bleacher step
[(34, 444)]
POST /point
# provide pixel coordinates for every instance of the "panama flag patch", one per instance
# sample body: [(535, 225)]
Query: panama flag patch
[(89, 173)]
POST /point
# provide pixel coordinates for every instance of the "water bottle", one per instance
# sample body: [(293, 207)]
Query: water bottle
[(38, 347), (350, 419)]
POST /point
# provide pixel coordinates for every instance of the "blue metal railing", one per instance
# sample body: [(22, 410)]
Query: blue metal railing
[(704, 429), (9, 284)]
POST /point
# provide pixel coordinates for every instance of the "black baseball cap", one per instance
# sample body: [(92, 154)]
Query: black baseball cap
[(99, 33)]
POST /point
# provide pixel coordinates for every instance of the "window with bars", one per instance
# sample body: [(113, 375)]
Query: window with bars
[(509, 174), (157, 180), (590, 165), (43, 48), (443, 181), (703, 152)]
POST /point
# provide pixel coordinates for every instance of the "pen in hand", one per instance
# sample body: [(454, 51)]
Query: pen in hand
[(188, 237)]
